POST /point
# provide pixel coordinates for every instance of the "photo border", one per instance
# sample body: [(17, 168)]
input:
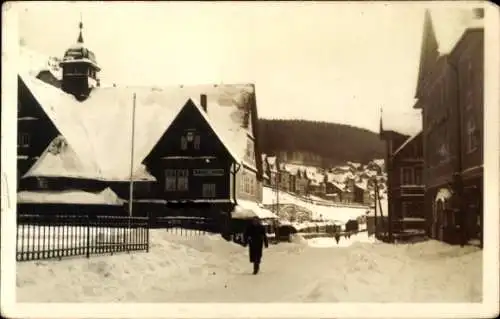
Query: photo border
[(491, 282)]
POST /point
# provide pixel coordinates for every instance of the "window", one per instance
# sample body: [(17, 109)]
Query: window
[(42, 183), (182, 180), (184, 144), (190, 136), (418, 176), (246, 180), (405, 209), (472, 142), (406, 176), (197, 142), (23, 140), (252, 186), (242, 182), (170, 180), (249, 150), (208, 190)]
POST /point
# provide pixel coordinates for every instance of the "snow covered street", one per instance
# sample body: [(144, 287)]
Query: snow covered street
[(209, 269)]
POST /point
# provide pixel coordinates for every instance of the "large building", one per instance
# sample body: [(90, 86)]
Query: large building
[(186, 147), (450, 96)]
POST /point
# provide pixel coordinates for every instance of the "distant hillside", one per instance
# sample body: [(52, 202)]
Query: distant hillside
[(335, 143)]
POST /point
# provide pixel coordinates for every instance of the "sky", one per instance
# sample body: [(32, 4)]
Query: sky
[(320, 61)]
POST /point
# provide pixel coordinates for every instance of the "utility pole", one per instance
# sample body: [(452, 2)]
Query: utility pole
[(131, 183), (375, 203)]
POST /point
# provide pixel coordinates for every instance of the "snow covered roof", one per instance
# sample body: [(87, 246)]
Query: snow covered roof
[(106, 197), (406, 123), (339, 178), (271, 160), (355, 165), (91, 127), (379, 162), (315, 177), (363, 184), (450, 24), (408, 141), (246, 209), (342, 168), (33, 63)]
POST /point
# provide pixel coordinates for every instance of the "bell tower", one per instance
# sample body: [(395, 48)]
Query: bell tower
[(80, 69)]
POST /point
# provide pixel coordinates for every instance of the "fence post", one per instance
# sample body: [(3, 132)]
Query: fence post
[(148, 227), (88, 236)]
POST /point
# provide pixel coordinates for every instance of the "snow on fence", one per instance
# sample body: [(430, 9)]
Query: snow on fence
[(57, 236)]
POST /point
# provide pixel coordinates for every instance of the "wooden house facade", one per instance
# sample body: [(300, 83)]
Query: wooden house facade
[(403, 163)]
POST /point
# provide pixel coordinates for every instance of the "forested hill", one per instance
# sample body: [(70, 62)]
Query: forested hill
[(335, 143)]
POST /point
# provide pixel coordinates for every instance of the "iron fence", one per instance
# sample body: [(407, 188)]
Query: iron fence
[(58, 236), (187, 226)]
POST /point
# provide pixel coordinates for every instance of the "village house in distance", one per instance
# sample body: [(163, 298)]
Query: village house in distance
[(195, 149), (444, 152)]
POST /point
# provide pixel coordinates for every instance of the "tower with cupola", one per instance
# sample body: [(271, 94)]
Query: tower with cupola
[(80, 69)]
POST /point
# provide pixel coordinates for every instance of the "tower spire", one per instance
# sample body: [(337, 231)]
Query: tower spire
[(80, 36), (381, 126)]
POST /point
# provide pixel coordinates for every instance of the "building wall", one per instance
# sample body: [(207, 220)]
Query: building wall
[(439, 126), (190, 151), (247, 185), (35, 130), (456, 119), (471, 82)]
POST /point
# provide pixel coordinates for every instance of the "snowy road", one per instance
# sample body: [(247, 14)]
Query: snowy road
[(208, 269)]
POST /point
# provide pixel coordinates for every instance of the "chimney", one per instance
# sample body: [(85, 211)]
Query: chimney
[(478, 13), (203, 101)]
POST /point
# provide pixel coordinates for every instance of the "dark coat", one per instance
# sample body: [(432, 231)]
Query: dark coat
[(255, 237)]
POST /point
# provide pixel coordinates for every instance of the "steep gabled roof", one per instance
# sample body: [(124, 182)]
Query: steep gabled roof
[(408, 141), (33, 63), (450, 25), (443, 27), (99, 129), (363, 184)]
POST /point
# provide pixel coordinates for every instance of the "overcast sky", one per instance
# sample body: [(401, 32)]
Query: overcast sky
[(331, 62)]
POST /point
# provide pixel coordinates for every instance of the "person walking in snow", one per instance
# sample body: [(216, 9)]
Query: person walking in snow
[(337, 237), (255, 237)]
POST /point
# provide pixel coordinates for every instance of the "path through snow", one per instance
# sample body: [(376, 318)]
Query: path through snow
[(208, 269)]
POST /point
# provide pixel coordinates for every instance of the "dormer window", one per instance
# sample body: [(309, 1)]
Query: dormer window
[(190, 138), (23, 140)]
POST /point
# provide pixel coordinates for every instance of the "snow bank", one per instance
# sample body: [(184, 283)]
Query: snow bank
[(249, 209), (106, 197), (423, 272), (330, 242), (174, 264), (209, 269)]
